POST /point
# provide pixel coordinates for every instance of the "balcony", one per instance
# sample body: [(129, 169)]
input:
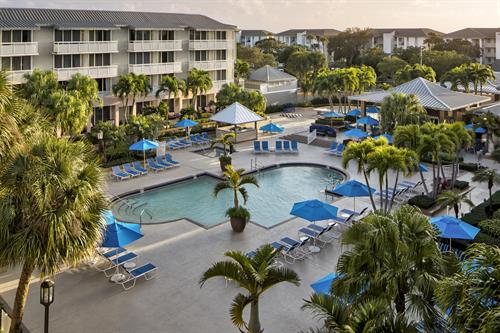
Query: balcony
[(17, 77), (217, 85), (155, 45), (85, 47), (18, 49), (152, 69), (210, 44), (210, 65), (64, 74)]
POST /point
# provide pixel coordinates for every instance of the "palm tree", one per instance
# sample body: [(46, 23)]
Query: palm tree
[(38, 86), (344, 317), (235, 181), (471, 295), (327, 84), (256, 275), (349, 78), (479, 75), (489, 176), (84, 87), (170, 85), (458, 76), (50, 206), (401, 109), (68, 111), (410, 72), (393, 258), (123, 89), (462, 139), (367, 78), (226, 140), (454, 199), (198, 82)]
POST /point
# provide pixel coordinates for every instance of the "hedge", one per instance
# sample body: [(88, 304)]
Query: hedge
[(422, 201), (491, 227), (478, 213)]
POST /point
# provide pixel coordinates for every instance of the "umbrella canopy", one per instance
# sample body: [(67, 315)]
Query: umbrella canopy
[(353, 188), (387, 136), (480, 130), (469, 126), (323, 285), (119, 234), (354, 113), (314, 210), (333, 114), (367, 121), (273, 128), (186, 123), (451, 227), (143, 145), (422, 167), (356, 133), (372, 109)]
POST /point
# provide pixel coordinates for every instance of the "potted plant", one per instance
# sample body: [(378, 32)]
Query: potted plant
[(225, 140), (234, 181)]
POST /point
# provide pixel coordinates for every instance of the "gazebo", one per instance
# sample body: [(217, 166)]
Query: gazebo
[(237, 114), (440, 102)]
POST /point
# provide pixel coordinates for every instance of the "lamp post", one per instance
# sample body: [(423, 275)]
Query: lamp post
[(100, 137), (46, 299)]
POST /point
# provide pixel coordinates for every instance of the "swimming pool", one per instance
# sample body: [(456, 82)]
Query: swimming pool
[(192, 199)]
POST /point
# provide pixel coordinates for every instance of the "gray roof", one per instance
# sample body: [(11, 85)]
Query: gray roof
[(473, 33), (270, 74), (431, 96), (488, 88), (256, 33), (315, 32), (409, 32), (72, 18), (236, 114), (493, 108)]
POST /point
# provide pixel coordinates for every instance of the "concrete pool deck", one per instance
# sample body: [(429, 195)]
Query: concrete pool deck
[(86, 302)]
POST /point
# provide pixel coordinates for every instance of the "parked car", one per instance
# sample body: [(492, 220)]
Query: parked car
[(323, 130)]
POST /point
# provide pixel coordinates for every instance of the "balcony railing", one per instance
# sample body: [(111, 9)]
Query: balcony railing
[(17, 77), (155, 45), (210, 44), (217, 85), (159, 68), (210, 65), (64, 74), (18, 49), (85, 47)]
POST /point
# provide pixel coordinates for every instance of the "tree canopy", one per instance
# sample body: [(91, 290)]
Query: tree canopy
[(349, 43)]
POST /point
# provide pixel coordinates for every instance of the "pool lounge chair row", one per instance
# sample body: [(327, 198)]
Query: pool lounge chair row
[(281, 146), (136, 169), (116, 260), (200, 139), (291, 115), (336, 148), (194, 139)]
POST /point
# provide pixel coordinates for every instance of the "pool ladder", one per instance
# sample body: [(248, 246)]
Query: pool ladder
[(254, 165)]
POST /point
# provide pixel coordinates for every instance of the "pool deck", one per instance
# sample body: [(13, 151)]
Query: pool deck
[(86, 302)]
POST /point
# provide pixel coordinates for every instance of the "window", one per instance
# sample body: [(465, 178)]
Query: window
[(102, 114), (67, 61), (103, 85), (167, 56), (200, 55), (220, 75), (139, 106), (221, 35), (68, 36), (140, 35), (201, 100), (198, 35), (220, 55), (99, 35), (99, 59), (167, 35), (16, 36), (140, 58), (16, 63)]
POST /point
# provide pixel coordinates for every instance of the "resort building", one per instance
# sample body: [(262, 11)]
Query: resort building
[(250, 37), (277, 86), (390, 39), (107, 44), (487, 39), (310, 38)]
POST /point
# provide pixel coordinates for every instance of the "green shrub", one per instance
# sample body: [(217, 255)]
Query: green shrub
[(470, 167), (491, 227), (496, 155), (303, 104), (241, 213), (330, 122), (461, 184), (422, 201), (274, 108), (483, 237), (119, 161), (478, 213)]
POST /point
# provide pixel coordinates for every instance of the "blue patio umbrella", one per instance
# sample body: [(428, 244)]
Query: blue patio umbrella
[(356, 133), (353, 188), (333, 114), (314, 210), (422, 167), (469, 126), (387, 136), (354, 113), (272, 127), (323, 285), (186, 123), (451, 227), (480, 130), (143, 145), (367, 120), (372, 109)]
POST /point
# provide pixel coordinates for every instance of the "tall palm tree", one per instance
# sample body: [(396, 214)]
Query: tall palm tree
[(349, 78), (394, 258), (198, 82), (401, 109), (367, 78), (170, 85), (50, 207), (123, 89), (479, 74), (256, 275), (235, 181), (38, 86), (84, 87), (462, 139), (489, 176), (225, 140), (410, 72), (454, 199), (68, 111), (327, 84)]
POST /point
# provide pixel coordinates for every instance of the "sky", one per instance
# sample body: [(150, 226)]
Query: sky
[(279, 15)]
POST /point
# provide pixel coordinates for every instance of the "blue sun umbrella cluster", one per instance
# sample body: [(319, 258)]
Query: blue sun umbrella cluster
[(453, 228), (272, 128), (356, 133), (143, 145), (367, 121)]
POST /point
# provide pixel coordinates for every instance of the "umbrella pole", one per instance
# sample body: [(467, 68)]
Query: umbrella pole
[(144, 156), (354, 204)]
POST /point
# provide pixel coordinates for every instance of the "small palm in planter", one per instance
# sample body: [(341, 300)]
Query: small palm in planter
[(234, 180), (225, 140)]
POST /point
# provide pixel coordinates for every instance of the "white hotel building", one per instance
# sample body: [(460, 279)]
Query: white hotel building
[(107, 44)]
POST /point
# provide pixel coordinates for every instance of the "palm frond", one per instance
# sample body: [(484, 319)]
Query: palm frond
[(240, 302)]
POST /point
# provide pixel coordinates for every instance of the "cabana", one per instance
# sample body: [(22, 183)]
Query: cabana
[(441, 103), (235, 115)]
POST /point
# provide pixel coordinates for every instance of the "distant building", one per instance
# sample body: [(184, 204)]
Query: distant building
[(250, 37), (390, 39), (315, 39), (487, 39), (277, 86)]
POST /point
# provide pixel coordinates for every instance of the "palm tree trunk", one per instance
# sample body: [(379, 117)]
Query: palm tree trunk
[(381, 188), (455, 208), (400, 302), (21, 296), (371, 194), (254, 322), (236, 204), (434, 181), (490, 208), (395, 186), (423, 181), (386, 203), (442, 172)]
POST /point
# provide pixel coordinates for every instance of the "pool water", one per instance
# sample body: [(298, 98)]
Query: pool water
[(193, 199)]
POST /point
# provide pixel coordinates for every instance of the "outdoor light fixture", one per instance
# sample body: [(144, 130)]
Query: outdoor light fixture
[(100, 135), (46, 299)]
